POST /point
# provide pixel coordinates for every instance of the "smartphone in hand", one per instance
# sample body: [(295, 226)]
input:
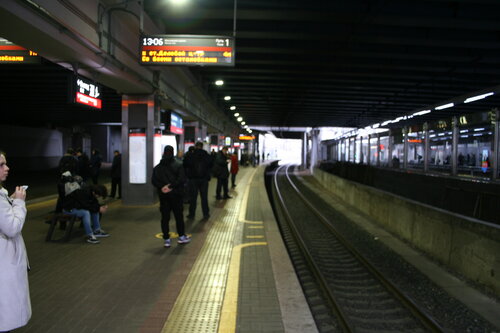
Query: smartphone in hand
[(25, 187)]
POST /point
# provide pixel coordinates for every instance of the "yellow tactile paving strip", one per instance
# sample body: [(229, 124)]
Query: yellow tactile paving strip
[(199, 305)]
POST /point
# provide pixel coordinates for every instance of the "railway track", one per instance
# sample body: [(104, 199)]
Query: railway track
[(345, 292)]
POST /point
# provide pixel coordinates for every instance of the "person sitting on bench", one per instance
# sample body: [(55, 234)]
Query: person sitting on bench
[(84, 203)]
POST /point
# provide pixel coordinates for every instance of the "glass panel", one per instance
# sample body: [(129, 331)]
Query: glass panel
[(358, 150), (416, 146), (384, 150), (475, 143), (373, 151), (364, 148), (397, 148), (352, 149)]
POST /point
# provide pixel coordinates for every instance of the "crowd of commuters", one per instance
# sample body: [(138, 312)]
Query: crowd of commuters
[(170, 177)]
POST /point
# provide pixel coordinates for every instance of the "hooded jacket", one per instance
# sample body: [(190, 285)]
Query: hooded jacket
[(169, 171)]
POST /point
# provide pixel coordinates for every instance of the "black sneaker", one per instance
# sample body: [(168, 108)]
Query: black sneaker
[(92, 240), (228, 197), (101, 233)]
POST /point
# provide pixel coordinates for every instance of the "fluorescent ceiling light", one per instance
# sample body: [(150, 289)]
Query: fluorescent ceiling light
[(236, 114), (478, 97), (219, 83), (227, 98), (478, 129), (232, 107), (419, 113), (239, 119), (386, 122), (444, 106), (243, 123)]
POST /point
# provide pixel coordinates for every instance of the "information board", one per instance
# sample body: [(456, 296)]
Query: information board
[(188, 50), (87, 92), (137, 155), (15, 54)]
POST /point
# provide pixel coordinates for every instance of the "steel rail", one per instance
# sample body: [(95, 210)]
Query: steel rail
[(341, 316), (425, 319)]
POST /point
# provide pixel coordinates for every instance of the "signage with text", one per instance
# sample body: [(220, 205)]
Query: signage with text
[(176, 123), (15, 54), (88, 93), (187, 50)]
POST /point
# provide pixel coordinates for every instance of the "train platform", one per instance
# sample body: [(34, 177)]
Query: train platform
[(234, 276)]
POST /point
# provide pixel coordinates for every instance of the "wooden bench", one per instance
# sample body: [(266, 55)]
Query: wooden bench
[(64, 219)]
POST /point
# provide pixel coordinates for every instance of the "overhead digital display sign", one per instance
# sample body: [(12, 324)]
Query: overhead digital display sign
[(176, 123), (87, 92), (172, 121), (188, 50), (15, 54)]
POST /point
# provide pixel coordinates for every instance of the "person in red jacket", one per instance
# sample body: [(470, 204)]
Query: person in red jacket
[(234, 168)]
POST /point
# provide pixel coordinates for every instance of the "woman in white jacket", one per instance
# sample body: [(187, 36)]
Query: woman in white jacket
[(15, 306)]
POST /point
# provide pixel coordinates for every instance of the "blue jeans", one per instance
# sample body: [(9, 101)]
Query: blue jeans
[(85, 215)]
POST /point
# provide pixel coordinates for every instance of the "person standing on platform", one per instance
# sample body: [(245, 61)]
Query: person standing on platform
[(83, 165), (234, 168), (168, 177), (198, 165), (95, 165), (221, 171), (15, 304), (116, 175), (68, 162)]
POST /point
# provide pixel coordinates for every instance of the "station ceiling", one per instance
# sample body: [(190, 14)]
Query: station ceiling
[(346, 63)]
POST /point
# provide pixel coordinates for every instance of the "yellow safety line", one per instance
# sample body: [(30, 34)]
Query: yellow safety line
[(243, 208), (229, 309), (41, 204), (256, 227)]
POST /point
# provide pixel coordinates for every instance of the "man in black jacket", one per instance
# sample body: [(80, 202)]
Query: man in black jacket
[(168, 177), (198, 165), (221, 171), (116, 175)]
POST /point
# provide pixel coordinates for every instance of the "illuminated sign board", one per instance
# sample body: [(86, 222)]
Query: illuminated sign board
[(15, 54), (176, 123), (172, 121), (87, 93), (187, 50), (246, 137)]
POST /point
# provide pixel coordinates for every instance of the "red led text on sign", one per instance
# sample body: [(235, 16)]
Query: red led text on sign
[(87, 100)]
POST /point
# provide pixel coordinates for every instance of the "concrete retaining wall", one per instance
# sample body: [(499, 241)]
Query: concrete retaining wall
[(468, 246)]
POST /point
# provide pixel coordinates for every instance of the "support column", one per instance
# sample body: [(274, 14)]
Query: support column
[(454, 147), (426, 147), (390, 143), (314, 149), (405, 148), (304, 151), (368, 151), (495, 158), (378, 150), (138, 117)]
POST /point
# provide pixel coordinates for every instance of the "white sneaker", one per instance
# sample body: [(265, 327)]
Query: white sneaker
[(167, 243), (183, 239)]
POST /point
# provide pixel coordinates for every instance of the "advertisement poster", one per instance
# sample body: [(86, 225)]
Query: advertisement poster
[(137, 156)]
